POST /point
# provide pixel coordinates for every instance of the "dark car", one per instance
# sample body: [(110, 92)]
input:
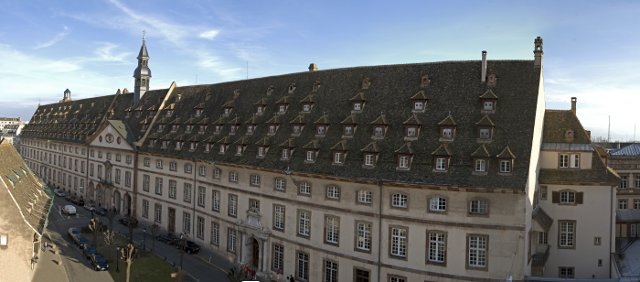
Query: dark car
[(189, 247), (167, 238), (82, 242), (126, 221), (98, 262), (80, 202), (89, 251), (101, 211)]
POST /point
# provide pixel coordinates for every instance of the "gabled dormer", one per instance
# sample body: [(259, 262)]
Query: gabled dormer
[(261, 106), (272, 125), (486, 129), (169, 110), (379, 127), (179, 142), (291, 89), (218, 126), (297, 125), (447, 129), (419, 102), (202, 125), (349, 126), (227, 108), (358, 102), (241, 145), (370, 154), (223, 145), (282, 105), (263, 147), (308, 103), (234, 125), (193, 143), (506, 160), (286, 149), (175, 125), (404, 157), (412, 128), (199, 109), (311, 150), (441, 158), (339, 153), (322, 126), (480, 159), (251, 123), (488, 102)]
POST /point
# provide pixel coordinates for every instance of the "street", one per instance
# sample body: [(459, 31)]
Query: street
[(204, 266)]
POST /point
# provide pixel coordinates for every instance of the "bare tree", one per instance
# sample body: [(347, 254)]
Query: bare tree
[(155, 230), (128, 255), (94, 226)]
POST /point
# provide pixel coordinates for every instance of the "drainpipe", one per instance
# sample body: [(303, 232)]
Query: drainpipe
[(379, 227)]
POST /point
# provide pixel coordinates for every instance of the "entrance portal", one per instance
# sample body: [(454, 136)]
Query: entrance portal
[(255, 258)]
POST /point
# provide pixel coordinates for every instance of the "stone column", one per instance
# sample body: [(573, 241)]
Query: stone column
[(241, 252), (264, 253)]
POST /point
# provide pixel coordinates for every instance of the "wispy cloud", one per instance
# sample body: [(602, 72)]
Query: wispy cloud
[(106, 52), (56, 38), (209, 34)]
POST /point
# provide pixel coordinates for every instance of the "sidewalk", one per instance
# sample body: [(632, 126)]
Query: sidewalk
[(48, 269)]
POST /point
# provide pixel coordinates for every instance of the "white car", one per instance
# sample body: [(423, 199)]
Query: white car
[(69, 209), (89, 207), (59, 193)]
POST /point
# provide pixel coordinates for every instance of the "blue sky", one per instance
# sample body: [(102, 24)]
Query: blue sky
[(590, 47)]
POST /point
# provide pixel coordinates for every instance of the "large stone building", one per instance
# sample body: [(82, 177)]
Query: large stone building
[(626, 162), (416, 172)]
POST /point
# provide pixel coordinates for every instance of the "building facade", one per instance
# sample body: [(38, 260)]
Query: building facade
[(386, 173), (626, 162)]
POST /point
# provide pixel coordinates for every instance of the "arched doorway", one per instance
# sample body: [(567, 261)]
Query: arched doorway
[(127, 204), (255, 253), (116, 201)]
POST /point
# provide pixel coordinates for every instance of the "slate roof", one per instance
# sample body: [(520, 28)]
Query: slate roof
[(556, 124), (632, 150), (454, 89), (27, 190)]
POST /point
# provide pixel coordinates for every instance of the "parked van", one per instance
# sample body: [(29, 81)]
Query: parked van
[(69, 209)]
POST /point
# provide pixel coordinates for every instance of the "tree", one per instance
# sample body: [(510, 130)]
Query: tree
[(94, 225), (155, 231), (128, 255)]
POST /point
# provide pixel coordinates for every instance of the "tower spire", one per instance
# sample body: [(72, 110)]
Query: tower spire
[(142, 73)]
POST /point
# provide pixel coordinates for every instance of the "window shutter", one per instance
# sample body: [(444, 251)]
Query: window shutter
[(579, 196), (555, 197)]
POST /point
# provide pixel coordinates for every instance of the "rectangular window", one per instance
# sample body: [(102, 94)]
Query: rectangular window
[(215, 201), (477, 246), (330, 271), (215, 233), (188, 168), (255, 180), (159, 164), (566, 272), (543, 238), (159, 185), (217, 173), (233, 176), (637, 180), (403, 162), (363, 236), (278, 217), (436, 247), (441, 164), (304, 188), (127, 178), (399, 200), (172, 189), (147, 162), (254, 204), (597, 241), (281, 184), (277, 264), (333, 192), (566, 234), (202, 170), (623, 181), (438, 204), (233, 205), (368, 159), (202, 193), (304, 223), (302, 266), (636, 204), (145, 182), (479, 206), (395, 278), (145, 208), (231, 240), (186, 222), (361, 275), (365, 197), (157, 213), (481, 165), (564, 161), (332, 229), (117, 176), (173, 166), (567, 197), (398, 243), (485, 133), (311, 156), (505, 166), (200, 228), (186, 197), (622, 204)]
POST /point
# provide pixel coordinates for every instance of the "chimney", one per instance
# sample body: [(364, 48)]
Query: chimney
[(483, 76), (537, 52), (574, 100), (589, 134), (313, 67)]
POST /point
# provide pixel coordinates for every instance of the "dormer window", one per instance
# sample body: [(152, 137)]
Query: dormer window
[(284, 155), (179, 145), (193, 146), (348, 131), (411, 132), (441, 164), (262, 151), (446, 133), (488, 101), (310, 156), (339, 157), (169, 113), (488, 106), (378, 132), (239, 150), (484, 133), (306, 108), (198, 112), (207, 148), (321, 130), (144, 127), (357, 106), (282, 109), (250, 129), (160, 127), (232, 129), (480, 165), (505, 161), (260, 110), (218, 129), (164, 144), (506, 166), (404, 162), (272, 129), (227, 111), (418, 106), (296, 129), (222, 149), (202, 129), (189, 128), (174, 128), (369, 160)]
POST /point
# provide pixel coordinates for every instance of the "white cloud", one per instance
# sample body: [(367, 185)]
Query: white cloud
[(106, 52), (209, 34), (57, 38)]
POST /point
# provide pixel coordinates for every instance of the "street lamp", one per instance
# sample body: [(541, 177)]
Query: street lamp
[(144, 238), (117, 265)]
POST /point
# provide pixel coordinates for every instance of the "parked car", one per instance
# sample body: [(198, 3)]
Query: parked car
[(167, 238), (88, 251), (98, 262), (82, 242), (126, 221), (101, 211), (69, 209), (59, 193), (73, 232), (189, 247)]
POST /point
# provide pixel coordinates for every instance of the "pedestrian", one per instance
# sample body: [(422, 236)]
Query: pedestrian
[(291, 279)]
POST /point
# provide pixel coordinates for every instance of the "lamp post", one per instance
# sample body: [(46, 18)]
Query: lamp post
[(144, 238), (117, 253)]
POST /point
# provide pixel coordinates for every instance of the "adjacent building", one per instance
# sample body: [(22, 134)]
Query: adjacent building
[(429, 171), (626, 162)]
